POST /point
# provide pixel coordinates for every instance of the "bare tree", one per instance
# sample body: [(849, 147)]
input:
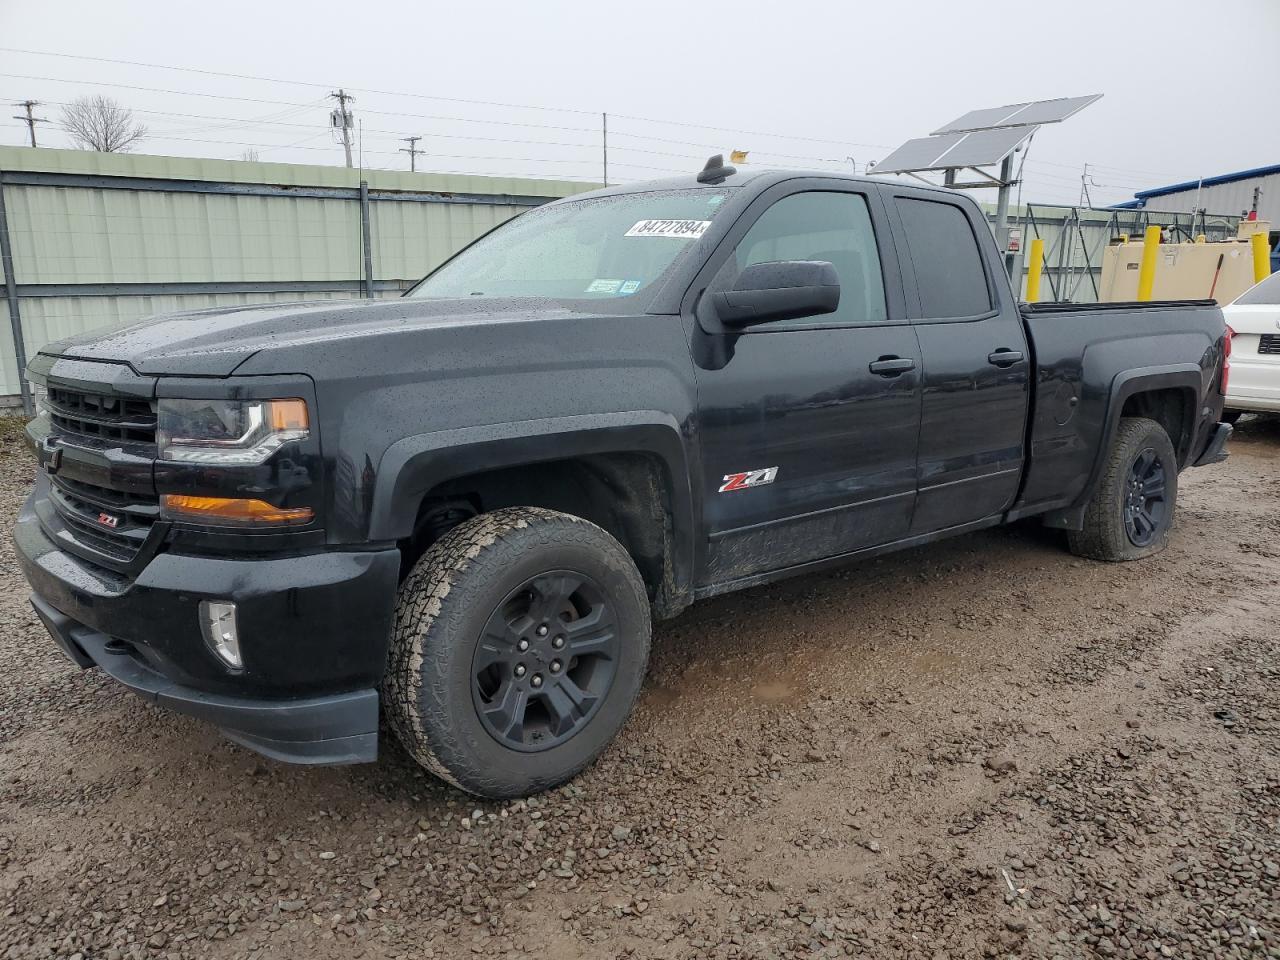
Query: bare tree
[(99, 123)]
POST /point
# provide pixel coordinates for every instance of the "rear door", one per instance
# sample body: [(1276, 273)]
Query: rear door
[(976, 362), (807, 451)]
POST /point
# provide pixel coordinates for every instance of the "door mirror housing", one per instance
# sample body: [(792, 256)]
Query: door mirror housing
[(779, 290)]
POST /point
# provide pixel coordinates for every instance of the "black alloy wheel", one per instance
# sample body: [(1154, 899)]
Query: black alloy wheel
[(545, 661), (1144, 504)]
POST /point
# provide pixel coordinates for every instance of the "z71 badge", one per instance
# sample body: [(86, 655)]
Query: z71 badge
[(752, 478)]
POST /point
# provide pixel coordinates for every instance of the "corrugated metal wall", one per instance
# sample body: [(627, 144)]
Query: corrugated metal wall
[(191, 233), (1234, 197)]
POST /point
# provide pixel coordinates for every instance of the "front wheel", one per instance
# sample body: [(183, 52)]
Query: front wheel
[(520, 644), (1131, 511)]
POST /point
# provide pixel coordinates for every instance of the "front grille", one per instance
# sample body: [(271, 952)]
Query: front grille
[(101, 504), (101, 416), (88, 511), (1269, 343)]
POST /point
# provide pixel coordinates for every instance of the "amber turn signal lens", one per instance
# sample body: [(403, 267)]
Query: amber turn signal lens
[(178, 506), (288, 415)]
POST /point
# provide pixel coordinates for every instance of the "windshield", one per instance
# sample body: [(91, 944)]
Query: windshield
[(1265, 291), (593, 249)]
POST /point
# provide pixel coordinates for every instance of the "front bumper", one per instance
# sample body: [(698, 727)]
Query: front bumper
[(313, 631), (340, 728)]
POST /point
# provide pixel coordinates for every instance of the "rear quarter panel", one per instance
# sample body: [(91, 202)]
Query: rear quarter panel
[(1088, 362)]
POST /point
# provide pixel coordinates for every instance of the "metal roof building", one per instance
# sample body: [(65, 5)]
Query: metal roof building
[(1228, 193)]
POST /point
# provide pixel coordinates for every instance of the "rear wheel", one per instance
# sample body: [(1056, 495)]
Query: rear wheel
[(520, 645), (1131, 511), (1231, 416)]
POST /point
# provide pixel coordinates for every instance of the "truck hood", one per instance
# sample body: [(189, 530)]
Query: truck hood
[(214, 342)]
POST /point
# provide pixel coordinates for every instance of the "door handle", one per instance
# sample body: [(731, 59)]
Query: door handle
[(891, 366), (1004, 357)]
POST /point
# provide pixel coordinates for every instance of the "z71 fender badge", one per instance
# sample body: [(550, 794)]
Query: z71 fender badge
[(751, 478)]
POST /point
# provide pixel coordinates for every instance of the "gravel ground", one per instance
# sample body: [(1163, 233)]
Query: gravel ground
[(982, 748)]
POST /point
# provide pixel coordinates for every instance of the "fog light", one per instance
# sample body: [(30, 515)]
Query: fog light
[(218, 622)]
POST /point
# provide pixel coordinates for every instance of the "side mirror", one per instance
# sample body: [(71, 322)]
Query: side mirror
[(781, 290)]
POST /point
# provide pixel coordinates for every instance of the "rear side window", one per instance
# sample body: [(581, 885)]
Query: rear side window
[(1266, 291), (945, 254)]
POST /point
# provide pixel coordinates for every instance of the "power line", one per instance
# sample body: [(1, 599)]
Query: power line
[(178, 93), (395, 113), (754, 133), (304, 83), (270, 121)]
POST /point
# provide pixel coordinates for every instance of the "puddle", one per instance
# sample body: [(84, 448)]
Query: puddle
[(936, 662), (773, 691)]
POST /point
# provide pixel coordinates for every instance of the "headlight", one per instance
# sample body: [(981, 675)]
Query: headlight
[(230, 432)]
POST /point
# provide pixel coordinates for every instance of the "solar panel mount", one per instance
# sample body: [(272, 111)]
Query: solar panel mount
[(981, 138), (978, 139)]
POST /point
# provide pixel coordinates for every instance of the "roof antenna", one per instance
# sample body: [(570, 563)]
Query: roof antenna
[(716, 170)]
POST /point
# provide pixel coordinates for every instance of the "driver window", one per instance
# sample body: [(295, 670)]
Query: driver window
[(835, 227)]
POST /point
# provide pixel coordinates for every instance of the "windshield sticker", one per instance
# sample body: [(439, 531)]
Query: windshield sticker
[(604, 286), (679, 229), (629, 286)]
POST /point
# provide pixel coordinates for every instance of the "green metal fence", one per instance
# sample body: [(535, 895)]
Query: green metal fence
[(103, 239)]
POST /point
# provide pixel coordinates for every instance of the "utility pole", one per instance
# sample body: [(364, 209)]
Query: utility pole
[(413, 151), (604, 144), (1002, 211), (30, 119), (341, 118)]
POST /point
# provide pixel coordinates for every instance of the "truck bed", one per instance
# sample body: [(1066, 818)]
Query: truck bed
[(1084, 356)]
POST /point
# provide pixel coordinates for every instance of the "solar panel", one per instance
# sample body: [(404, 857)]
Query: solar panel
[(952, 151), (918, 154), (983, 147), (1019, 114)]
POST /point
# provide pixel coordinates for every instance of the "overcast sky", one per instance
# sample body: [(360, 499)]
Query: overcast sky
[(1189, 88)]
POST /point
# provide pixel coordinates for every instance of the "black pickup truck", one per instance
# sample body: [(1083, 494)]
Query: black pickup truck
[(462, 508)]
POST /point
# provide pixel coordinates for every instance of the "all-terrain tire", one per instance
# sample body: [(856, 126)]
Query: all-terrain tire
[(1105, 535), (444, 606)]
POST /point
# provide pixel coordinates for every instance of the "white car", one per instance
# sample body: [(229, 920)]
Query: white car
[(1254, 382)]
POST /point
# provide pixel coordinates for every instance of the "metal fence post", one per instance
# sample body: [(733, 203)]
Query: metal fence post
[(11, 295), (366, 240)]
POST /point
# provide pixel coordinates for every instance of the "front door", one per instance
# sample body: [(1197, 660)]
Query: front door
[(807, 427)]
